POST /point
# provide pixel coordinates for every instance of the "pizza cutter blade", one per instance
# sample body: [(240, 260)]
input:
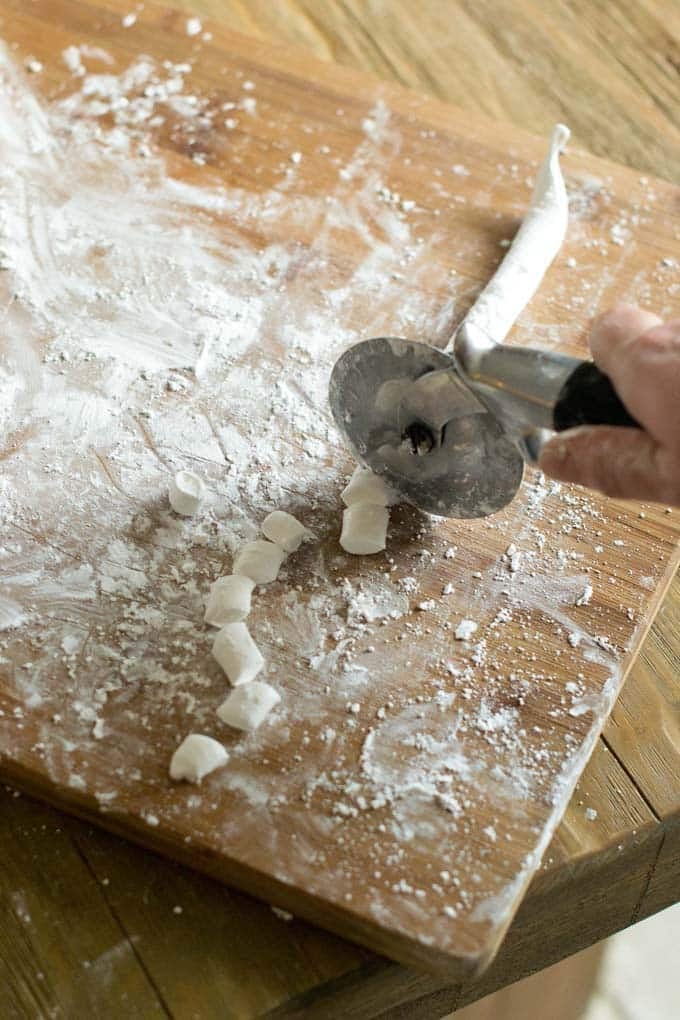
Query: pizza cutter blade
[(406, 414), (451, 430)]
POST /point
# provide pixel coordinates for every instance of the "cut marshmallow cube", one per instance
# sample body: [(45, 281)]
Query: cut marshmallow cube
[(229, 600), (260, 560), (364, 528), (284, 529), (185, 492), (196, 757), (248, 706), (366, 487), (237, 653)]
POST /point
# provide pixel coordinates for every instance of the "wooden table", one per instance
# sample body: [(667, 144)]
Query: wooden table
[(94, 927)]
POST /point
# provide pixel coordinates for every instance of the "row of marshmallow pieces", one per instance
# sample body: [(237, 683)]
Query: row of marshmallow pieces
[(364, 529), (228, 605), (364, 532)]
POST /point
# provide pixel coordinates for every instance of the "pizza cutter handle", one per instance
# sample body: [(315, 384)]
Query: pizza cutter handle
[(589, 398)]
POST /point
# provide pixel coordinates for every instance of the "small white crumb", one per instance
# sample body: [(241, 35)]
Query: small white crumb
[(585, 596), (296, 157), (448, 589), (248, 85), (574, 639), (283, 915), (73, 60), (70, 644), (591, 814), (128, 20), (426, 606), (177, 910), (185, 492), (619, 541), (196, 757), (451, 552), (465, 630), (193, 26), (34, 66)]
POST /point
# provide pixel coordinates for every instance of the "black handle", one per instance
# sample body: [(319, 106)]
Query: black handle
[(588, 398)]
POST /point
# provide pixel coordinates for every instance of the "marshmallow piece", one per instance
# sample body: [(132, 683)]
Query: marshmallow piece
[(248, 706), (284, 529), (237, 653), (364, 528), (229, 600), (185, 492), (197, 756), (365, 487), (260, 560)]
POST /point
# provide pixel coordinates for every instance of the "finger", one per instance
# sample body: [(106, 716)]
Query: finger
[(622, 463), (613, 332), (644, 367)]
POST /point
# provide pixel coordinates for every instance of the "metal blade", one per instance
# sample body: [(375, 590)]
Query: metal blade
[(406, 413)]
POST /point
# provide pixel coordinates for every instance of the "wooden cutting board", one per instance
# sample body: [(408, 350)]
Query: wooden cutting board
[(192, 227)]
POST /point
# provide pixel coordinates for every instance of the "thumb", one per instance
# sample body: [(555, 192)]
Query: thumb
[(623, 463)]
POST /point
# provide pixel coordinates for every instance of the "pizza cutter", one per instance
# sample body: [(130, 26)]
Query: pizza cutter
[(451, 429)]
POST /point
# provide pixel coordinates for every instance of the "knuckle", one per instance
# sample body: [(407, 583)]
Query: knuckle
[(659, 339)]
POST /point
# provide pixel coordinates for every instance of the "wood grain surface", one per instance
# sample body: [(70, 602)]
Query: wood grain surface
[(652, 763)]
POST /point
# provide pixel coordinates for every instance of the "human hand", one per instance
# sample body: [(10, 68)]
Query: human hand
[(641, 356)]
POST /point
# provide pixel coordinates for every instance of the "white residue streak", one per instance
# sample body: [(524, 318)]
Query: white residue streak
[(155, 325)]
